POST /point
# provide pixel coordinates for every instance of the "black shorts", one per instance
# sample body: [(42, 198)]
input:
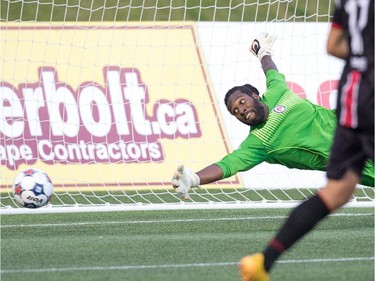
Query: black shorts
[(355, 100), (350, 150), (353, 143)]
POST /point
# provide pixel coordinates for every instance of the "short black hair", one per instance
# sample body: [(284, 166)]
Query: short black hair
[(246, 89)]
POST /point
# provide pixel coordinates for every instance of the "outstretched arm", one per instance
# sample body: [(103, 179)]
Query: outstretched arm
[(210, 174)]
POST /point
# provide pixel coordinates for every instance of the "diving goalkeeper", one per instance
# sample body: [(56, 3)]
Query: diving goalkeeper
[(284, 129)]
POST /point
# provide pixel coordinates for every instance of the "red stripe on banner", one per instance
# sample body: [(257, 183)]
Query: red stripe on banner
[(349, 100)]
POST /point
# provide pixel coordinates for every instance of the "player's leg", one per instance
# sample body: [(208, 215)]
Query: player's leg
[(338, 192), (300, 221), (346, 162), (345, 166)]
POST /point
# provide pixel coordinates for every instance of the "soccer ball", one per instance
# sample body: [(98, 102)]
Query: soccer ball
[(32, 188)]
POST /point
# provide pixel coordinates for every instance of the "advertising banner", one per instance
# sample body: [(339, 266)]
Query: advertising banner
[(107, 105)]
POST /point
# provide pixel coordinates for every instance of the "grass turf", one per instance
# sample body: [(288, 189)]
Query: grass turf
[(180, 245)]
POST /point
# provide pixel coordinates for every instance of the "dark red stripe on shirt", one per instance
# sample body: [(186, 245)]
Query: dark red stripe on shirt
[(349, 100)]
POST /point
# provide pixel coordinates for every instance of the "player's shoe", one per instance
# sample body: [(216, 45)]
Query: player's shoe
[(252, 268)]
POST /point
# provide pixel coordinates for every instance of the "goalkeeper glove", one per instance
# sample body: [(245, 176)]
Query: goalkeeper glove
[(184, 179), (262, 45)]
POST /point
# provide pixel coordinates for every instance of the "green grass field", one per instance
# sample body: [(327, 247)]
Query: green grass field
[(180, 245)]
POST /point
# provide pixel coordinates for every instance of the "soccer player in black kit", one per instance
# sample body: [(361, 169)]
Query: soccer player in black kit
[(351, 38)]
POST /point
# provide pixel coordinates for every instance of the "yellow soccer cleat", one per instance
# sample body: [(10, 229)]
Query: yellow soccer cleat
[(252, 268)]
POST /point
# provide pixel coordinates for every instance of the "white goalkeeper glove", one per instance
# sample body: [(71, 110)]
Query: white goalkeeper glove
[(262, 45), (184, 179)]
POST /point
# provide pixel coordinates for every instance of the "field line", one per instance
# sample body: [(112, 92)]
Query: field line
[(171, 266), (167, 221)]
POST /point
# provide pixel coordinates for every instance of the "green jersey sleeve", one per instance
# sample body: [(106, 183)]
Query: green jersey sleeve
[(250, 153)]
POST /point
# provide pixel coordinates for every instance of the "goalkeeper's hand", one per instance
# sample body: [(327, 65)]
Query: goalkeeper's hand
[(184, 179), (262, 45)]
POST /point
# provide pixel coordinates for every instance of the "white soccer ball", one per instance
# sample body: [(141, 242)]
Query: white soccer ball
[(32, 188)]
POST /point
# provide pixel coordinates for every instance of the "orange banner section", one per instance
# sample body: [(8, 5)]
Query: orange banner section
[(107, 106)]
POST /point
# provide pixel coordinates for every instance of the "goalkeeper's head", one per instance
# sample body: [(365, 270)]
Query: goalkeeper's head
[(244, 103)]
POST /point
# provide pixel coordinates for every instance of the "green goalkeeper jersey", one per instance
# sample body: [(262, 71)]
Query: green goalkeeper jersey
[(297, 134)]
